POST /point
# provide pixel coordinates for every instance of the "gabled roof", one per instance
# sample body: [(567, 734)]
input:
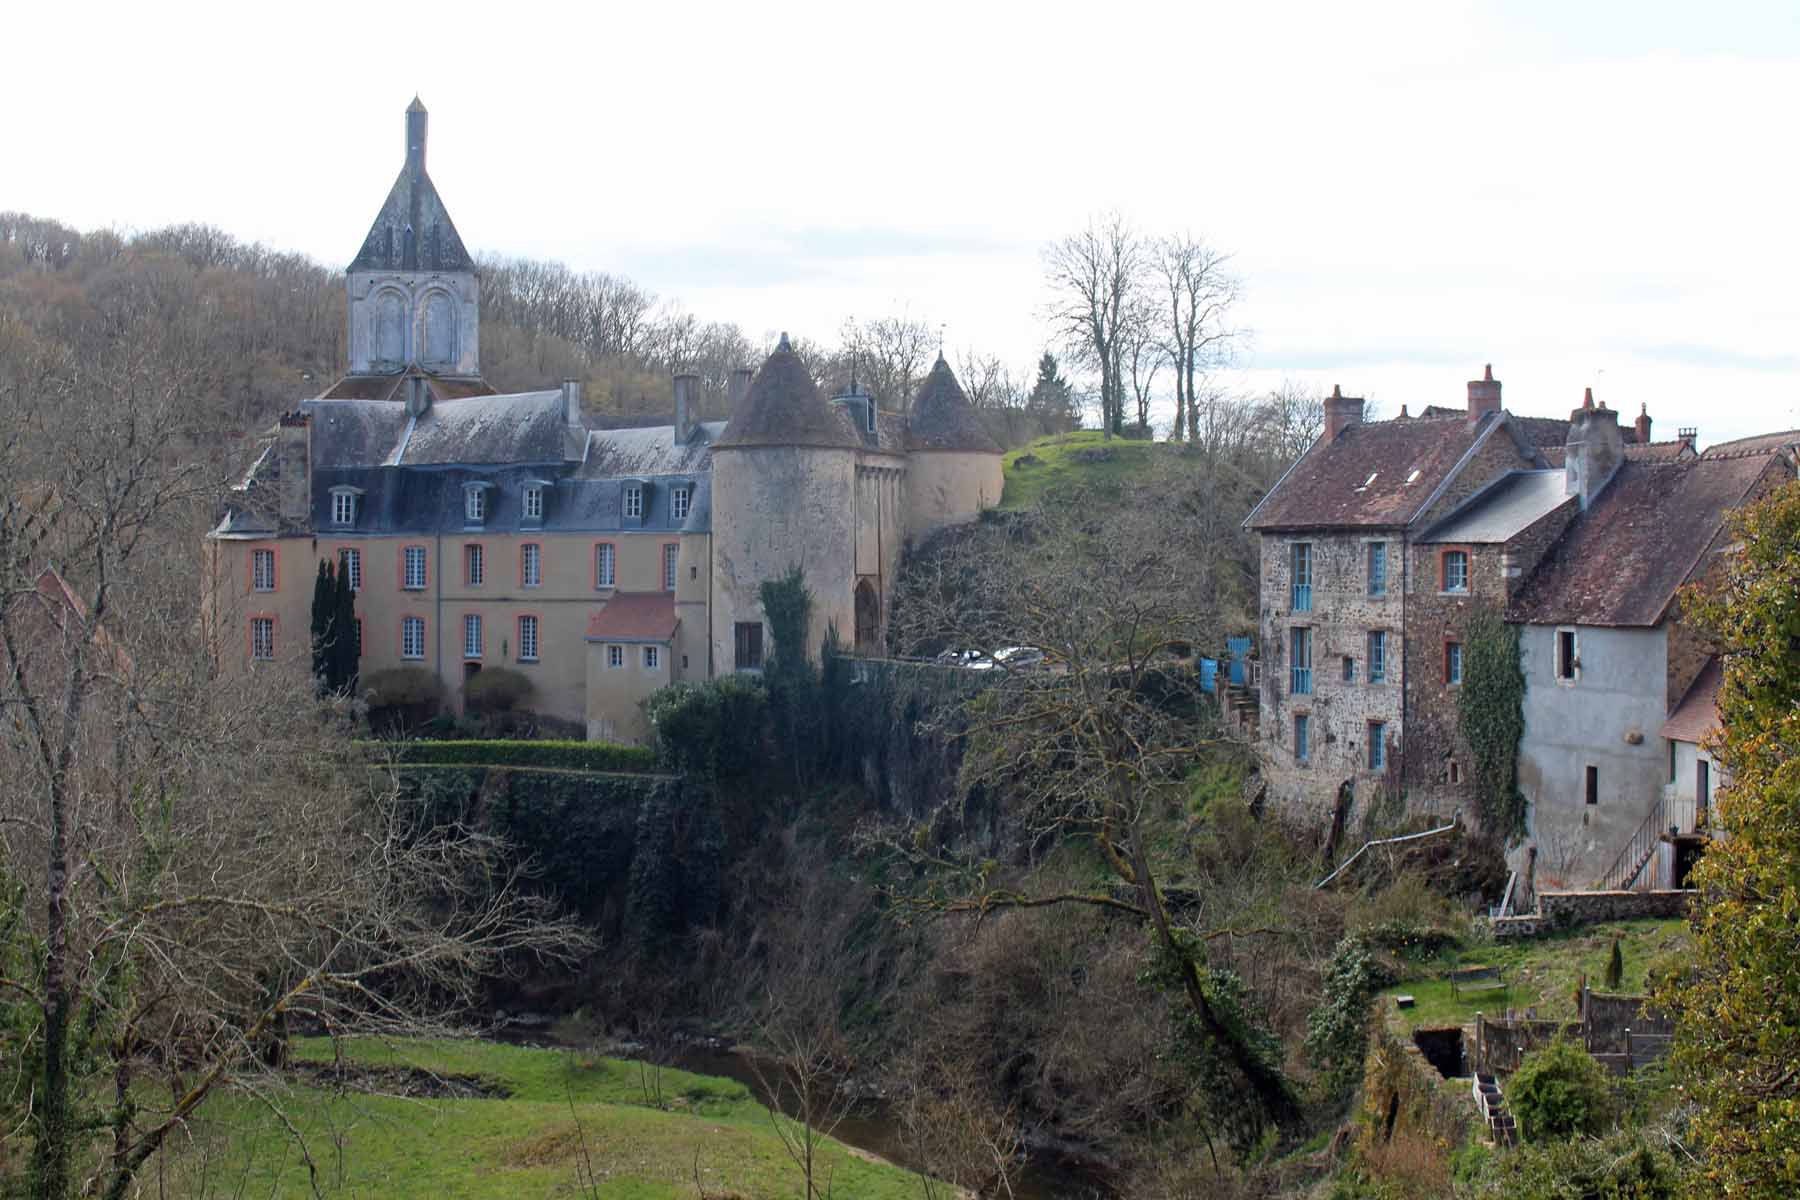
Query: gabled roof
[(943, 418), (1698, 713), (413, 230), (634, 617), (1766, 441), (1622, 561), (1504, 509), (784, 408), (1379, 474)]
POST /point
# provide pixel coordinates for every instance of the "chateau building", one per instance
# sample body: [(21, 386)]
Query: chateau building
[(483, 529)]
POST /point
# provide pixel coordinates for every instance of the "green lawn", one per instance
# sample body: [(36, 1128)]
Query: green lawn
[(1540, 973), (565, 1117), (1058, 466)]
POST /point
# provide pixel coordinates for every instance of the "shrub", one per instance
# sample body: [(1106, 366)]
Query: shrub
[(711, 730), (1337, 1031), (1559, 1091), (496, 690), (1623, 1166), (572, 756), (401, 698)]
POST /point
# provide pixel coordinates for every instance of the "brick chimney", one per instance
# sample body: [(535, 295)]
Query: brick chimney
[(1594, 450), (687, 403), (1341, 412), (1643, 425), (293, 445), (739, 389), (1484, 394)]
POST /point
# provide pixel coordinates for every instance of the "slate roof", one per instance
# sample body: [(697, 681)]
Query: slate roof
[(1504, 509), (1646, 534), (1698, 713), (784, 408), (430, 500), (389, 387), (943, 418), (1658, 451), (634, 617), (649, 450), (526, 427), (413, 204), (1361, 480)]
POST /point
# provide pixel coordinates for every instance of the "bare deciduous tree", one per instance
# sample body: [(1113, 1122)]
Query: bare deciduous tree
[(1095, 277), (1196, 294), (188, 861)]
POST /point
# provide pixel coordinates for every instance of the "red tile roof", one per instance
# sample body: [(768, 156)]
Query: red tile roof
[(634, 617), (1698, 713), (1362, 478), (1644, 536)]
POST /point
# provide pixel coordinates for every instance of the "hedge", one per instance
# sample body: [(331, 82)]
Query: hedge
[(573, 756)]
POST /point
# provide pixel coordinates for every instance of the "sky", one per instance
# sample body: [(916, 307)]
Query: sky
[(1584, 193)]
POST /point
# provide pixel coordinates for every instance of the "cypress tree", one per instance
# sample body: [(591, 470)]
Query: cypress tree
[(345, 651), (323, 587)]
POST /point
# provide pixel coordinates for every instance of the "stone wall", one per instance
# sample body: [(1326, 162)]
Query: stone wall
[(1562, 910), (1403, 1094)]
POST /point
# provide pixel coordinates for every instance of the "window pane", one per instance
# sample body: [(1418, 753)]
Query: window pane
[(670, 555), (472, 636), (476, 566), (350, 562), (530, 567), (415, 568), (603, 565), (1377, 568), (528, 639)]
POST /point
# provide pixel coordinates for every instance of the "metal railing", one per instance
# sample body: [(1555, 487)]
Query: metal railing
[(1637, 853)]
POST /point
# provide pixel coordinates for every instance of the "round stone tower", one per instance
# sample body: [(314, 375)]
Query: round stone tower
[(783, 495), (953, 464)]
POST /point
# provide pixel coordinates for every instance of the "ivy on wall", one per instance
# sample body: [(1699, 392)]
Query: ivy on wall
[(1491, 713)]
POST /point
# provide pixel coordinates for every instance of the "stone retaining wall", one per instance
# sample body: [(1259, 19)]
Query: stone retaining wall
[(1563, 910)]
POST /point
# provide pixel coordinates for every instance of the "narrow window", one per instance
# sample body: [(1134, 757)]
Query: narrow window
[(262, 570), (652, 659), (531, 565), (1593, 785), (615, 656), (603, 565), (412, 637), (1300, 662), (1702, 787), (1566, 662), (1377, 745), (262, 638), (533, 504), (678, 504), (749, 639), (1671, 760), (1456, 570), (350, 563), (1349, 669), (671, 554), (1302, 569), (1302, 738), (1452, 663), (1455, 771), (472, 636), (343, 508), (413, 574), (474, 564), (475, 505), (634, 500), (1378, 568), (528, 639), (1378, 656)]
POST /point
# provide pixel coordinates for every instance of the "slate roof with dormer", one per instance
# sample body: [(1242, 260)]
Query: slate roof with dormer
[(1380, 474), (1645, 535)]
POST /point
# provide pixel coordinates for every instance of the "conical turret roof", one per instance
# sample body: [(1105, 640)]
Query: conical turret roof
[(943, 418), (784, 408)]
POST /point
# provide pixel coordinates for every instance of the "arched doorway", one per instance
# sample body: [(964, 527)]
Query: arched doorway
[(868, 619)]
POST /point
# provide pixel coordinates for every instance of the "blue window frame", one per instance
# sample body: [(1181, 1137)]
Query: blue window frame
[(1303, 576)]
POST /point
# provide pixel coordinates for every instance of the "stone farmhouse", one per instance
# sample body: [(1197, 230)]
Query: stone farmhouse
[(483, 529), (1386, 539)]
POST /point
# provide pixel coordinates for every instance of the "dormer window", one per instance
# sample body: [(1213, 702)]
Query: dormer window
[(343, 505), (678, 503), (475, 503), (532, 505), (634, 501)]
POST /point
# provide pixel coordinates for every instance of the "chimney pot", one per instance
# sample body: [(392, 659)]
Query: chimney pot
[(1587, 397), (1643, 425)]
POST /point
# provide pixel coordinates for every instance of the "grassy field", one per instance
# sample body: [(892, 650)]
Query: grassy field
[(560, 1118), (1540, 973), (1057, 464)]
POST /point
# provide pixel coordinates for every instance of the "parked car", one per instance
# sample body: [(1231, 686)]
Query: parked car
[(974, 660), (1019, 658)]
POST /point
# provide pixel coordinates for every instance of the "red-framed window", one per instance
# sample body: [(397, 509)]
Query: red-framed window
[(412, 638), (530, 629), (415, 568), (264, 568)]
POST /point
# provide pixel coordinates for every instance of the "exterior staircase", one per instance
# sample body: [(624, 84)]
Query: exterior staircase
[(1241, 708), (1502, 1128)]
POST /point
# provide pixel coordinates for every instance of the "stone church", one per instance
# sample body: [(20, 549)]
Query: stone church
[(483, 529)]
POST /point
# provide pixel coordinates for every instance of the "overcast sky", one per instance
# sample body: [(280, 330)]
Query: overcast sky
[(1583, 193)]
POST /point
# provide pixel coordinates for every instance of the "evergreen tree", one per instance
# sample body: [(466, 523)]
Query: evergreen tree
[(1737, 998), (345, 651), (1052, 397), (323, 588)]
